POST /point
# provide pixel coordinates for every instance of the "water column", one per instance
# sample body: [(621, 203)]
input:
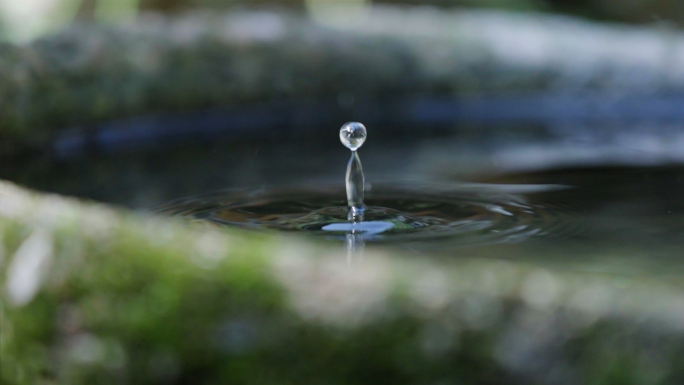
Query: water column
[(352, 135)]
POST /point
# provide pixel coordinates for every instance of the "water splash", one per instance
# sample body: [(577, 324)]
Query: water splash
[(463, 213), (420, 214), (353, 135)]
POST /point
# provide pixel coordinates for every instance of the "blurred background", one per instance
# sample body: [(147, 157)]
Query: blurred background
[(22, 20), (194, 96), (138, 102)]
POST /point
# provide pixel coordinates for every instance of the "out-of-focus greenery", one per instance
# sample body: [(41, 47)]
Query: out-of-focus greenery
[(94, 72), (91, 295), (28, 19), (635, 11)]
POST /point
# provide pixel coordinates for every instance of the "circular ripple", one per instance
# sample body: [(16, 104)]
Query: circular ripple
[(472, 213)]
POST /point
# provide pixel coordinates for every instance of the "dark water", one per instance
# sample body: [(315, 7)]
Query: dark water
[(606, 219), (605, 197)]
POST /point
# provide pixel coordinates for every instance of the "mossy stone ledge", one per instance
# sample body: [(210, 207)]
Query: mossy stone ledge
[(92, 294)]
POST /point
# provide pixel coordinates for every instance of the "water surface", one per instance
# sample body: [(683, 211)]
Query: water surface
[(604, 197)]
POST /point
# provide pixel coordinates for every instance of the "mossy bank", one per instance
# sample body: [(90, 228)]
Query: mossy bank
[(96, 295)]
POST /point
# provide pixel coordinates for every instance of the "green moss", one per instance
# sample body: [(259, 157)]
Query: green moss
[(132, 299)]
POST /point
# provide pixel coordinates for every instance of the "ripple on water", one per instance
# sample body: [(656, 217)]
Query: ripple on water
[(472, 213)]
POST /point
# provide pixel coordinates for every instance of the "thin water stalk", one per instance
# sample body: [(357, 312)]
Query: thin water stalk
[(355, 185)]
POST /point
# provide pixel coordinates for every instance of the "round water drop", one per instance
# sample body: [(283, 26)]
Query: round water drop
[(352, 135)]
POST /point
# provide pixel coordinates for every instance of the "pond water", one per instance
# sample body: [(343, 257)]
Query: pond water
[(473, 213), (599, 196), (612, 219)]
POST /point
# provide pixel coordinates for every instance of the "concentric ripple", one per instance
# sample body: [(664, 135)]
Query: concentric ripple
[(471, 213)]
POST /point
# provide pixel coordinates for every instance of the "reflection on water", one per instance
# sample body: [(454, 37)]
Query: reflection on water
[(355, 245)]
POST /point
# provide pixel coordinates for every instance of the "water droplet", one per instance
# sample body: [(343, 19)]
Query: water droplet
[(352, 135)]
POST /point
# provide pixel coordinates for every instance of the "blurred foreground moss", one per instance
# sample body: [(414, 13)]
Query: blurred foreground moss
[(93, 295)]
